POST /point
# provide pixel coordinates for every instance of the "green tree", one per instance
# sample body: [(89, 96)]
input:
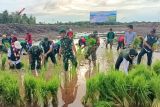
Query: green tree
[(5, 17)]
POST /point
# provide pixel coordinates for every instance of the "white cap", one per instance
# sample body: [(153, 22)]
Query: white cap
[(17, 45)]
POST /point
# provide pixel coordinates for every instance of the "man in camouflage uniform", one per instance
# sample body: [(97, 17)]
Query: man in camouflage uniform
[(92, 46), (66, 49), (47, 47), (35, 55)]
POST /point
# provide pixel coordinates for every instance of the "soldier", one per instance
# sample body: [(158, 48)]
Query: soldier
[(93, 43), (67, 50), (47, 47), (35, 55)]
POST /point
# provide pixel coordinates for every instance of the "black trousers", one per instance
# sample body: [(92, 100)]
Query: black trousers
[(120, 45), (149, 56), (118, 62), (52, 56)]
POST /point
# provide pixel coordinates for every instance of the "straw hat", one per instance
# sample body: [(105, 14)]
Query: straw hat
[(17, 45)]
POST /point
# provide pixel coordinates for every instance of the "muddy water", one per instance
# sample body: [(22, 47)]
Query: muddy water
[(72, 90), (73, 86)]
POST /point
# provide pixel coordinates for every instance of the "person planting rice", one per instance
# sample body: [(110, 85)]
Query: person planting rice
[(110, 37), (120, 42), (93, 43), (47, 47), (14, 54), (125, 59), (35, 58), (130, 35), (67, 49), (148, 49)]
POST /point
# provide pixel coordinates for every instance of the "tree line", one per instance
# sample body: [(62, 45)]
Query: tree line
[(14, 17)]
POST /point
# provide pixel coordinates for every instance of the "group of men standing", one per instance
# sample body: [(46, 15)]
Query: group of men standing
[(127, 55)]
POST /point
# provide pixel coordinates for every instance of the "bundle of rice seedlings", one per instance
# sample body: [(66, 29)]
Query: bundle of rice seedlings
[(136, 42), (4, 58), (9, 90), (31, 89), (43, 91), (139, 92), (141, 70), (53, 86), (92, 93), (156, 67), (114, 88), (155, 89)]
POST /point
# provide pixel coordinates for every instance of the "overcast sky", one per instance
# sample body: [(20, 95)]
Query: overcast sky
[(50, 11)]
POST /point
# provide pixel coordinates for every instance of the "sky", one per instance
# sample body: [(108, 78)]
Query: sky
[(51, 11)]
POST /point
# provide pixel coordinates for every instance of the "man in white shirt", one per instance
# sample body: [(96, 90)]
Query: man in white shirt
[(125, 59)]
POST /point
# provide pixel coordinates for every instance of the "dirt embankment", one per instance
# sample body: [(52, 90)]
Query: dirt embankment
[(39, 31)]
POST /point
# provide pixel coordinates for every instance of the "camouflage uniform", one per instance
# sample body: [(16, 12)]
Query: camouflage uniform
[(67, 52), (93, 44), (35, 52)]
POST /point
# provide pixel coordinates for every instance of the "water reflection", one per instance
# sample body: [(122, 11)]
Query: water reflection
[(69, 88)]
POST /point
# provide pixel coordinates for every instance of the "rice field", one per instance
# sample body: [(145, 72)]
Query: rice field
[(87, 86)]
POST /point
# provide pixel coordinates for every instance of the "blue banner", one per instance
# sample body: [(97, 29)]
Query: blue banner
[(103, 16)]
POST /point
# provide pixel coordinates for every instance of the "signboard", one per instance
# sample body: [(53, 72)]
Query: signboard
[(103, 16)]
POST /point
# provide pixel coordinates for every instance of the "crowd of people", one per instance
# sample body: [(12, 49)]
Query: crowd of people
[(65, 49)]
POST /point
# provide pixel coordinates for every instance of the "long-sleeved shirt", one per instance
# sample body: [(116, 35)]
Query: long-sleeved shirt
[(129, 37)]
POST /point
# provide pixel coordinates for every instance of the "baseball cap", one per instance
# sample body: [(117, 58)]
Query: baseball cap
[(133, 53)]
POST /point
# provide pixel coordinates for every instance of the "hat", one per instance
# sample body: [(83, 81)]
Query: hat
[(133, 53), (62, 31), (17, 45), (4, 36)]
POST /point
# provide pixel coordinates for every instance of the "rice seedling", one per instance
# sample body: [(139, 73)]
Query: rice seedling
[(53, 85), (114, 88), (136, 42), (141, 70), (139, 92), (155, 89), (31, 89), (103, 104), (43, 91), (9, 90), (4, 59), (156, 67)]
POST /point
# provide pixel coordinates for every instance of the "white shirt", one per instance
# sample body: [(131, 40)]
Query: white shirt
[(125, 65)]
